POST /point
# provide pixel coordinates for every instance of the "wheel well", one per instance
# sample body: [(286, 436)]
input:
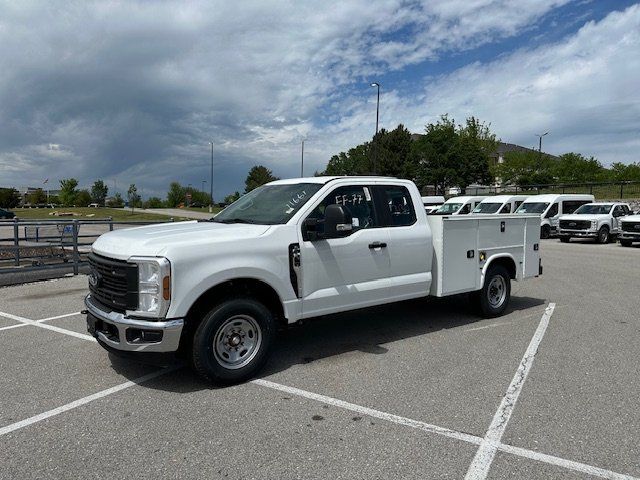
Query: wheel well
[(239, 287), (507, 263)]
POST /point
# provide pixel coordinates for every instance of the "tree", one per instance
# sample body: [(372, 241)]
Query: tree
[(153, 202), (36, 197), (175, 195), (83, 198), (575, 168), (116, 201), (99, 192), (525, 168), (356, 161), (132, 196), (258, 176), (621, 172), (9, 198), (231, 198), (68, 191)]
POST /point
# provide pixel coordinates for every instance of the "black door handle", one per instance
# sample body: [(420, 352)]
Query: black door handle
[(377, 245)]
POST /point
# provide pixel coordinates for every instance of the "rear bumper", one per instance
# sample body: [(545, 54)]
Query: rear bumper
[(114, 330)]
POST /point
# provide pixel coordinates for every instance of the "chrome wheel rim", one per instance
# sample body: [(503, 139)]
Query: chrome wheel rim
[(603, 236), (497, 291), (237, 341)]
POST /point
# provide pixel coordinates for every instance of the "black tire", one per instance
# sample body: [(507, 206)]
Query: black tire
[(545, 232), (565, 239), (603, 235), (626, 243), (488, 308), (238, 320)]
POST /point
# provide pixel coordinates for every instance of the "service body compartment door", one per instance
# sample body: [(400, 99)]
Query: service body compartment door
[(532, 248)]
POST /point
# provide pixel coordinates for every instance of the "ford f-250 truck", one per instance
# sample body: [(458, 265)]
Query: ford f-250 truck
[(217, 291)]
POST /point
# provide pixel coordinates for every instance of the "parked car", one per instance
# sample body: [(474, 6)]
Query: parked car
[(6, 213), (93, 205), (551, 207), (600, 221), (499, 204), (629, 230), (458, 205), (217, 291)]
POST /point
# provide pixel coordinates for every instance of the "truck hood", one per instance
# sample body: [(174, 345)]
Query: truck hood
[(631, 218), (155, 240), (584, 217)]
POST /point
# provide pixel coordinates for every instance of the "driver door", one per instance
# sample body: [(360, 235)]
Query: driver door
[(348, 272)]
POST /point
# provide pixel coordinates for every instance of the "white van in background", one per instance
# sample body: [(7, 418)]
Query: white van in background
[(459, 205), (551, 207), (432, 203), (500, 204)]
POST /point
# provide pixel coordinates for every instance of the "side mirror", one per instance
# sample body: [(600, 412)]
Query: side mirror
[(337, 221)]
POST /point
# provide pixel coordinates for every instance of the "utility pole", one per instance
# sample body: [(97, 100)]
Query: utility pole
[(302, 161), (211, 183), (375, 139)]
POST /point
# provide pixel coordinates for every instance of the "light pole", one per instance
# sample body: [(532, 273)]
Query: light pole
[(540, 148), (302, 161), (203, 182), (375, 139), (211, 182)]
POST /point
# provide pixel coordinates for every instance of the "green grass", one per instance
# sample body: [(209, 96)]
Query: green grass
[(203, 209), (80, 213)]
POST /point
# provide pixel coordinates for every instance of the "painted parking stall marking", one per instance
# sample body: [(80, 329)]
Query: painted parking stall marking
[(41, 324)]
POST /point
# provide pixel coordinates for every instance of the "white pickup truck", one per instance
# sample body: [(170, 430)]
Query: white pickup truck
[(217, 291), (629, 230), (600, 221)]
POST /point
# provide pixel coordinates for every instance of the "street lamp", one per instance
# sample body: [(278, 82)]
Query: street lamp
[(540, 140), (211, 183), (375, 139), (203, 182)]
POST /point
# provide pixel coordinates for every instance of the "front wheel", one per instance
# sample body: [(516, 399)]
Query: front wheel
[(493, 298), (232, 342), (603, 235), (545, 232)]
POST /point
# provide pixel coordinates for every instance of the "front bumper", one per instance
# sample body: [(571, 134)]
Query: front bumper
[(578, 233), (629, 236), (118, 332)]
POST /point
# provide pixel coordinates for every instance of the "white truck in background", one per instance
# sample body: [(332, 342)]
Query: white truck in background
[(600, 221), (217, 291), (551, 207), (629, 230)]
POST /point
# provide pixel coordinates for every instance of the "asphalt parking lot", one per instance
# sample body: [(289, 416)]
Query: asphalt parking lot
[(422, 389)]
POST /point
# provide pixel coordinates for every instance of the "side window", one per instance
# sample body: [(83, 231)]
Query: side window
[(570, 206), (553, 211), (506, 208), (356, 198), (618, 211), (396, 208), (466, 209), (626, 209), (517, 204)]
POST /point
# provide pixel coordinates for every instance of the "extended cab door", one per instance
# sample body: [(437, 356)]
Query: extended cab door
[(348, 272)]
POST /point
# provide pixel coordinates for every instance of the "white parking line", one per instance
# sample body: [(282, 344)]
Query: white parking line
[(479, 468), (83, 401), (407, 422), (491, 325), (40, 324), (39, 321)]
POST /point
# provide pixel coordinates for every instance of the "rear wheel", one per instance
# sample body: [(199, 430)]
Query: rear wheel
[(625, 243), (493, 298), (603, 235), (232, 342), (545, 231)]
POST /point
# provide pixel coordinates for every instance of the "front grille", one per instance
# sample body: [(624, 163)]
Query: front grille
[(114, 283), (575, 224), (632, 227)]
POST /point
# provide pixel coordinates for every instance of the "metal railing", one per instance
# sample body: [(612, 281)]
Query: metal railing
[(604, 191), (52, 244)]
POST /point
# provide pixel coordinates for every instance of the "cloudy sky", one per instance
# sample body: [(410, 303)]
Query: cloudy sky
[(134, 91)]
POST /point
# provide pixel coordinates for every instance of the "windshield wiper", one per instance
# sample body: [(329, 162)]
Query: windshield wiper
[(232, 220)]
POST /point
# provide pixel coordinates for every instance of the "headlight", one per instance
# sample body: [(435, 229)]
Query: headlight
[(154, 286), (594, 224)]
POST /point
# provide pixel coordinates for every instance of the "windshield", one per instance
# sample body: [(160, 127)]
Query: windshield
[(448, 208), (487, 208), (593, 209), (269, 204), (534, 207)]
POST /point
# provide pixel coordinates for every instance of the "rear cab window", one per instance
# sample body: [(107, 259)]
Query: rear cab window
[(395, 206)]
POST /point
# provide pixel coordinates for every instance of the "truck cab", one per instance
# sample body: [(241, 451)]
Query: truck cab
[(499, 204), (458, 205), (217, 291), (600, 221), (551, 208)]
